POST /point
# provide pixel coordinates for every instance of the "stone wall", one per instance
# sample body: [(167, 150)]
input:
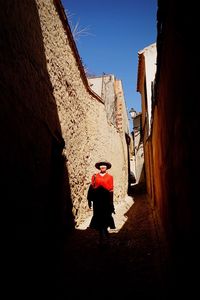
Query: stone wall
[(82, 115), (30, 133), (46, 105)]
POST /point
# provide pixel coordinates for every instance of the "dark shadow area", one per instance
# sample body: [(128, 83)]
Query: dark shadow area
[(34, 178), (129, 264), (137, 189)]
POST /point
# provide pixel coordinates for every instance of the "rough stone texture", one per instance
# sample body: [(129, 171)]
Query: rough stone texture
[(85, 129), (31, 151), (45, 98), (30, 131)]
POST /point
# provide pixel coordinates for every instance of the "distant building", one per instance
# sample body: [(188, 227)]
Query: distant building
[(103, 86), (138, 149), (110, 90), (143, 121), (145, 82)]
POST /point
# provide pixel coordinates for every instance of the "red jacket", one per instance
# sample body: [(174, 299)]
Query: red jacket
[(105, 181)]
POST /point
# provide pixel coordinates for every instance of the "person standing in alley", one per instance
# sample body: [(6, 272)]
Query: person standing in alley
[(100, 198)]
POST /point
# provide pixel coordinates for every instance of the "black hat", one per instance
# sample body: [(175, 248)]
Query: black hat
[(103, 163)]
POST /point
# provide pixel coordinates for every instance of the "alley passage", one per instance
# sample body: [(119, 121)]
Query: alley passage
[(132, 263)]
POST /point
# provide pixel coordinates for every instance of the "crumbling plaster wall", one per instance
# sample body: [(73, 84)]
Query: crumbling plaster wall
[(82, 115)]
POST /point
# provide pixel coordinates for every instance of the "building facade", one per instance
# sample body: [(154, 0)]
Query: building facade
[(59, 127)]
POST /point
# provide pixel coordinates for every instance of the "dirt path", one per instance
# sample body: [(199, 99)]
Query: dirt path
[(130, 264)]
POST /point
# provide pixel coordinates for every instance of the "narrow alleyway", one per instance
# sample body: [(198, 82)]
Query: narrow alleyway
[(132, 263)]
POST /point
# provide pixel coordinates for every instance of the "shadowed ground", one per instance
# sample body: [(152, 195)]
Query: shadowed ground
[(132, 262)]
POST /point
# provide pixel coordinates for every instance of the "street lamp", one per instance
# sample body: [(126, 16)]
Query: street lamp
[(133, 113)]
